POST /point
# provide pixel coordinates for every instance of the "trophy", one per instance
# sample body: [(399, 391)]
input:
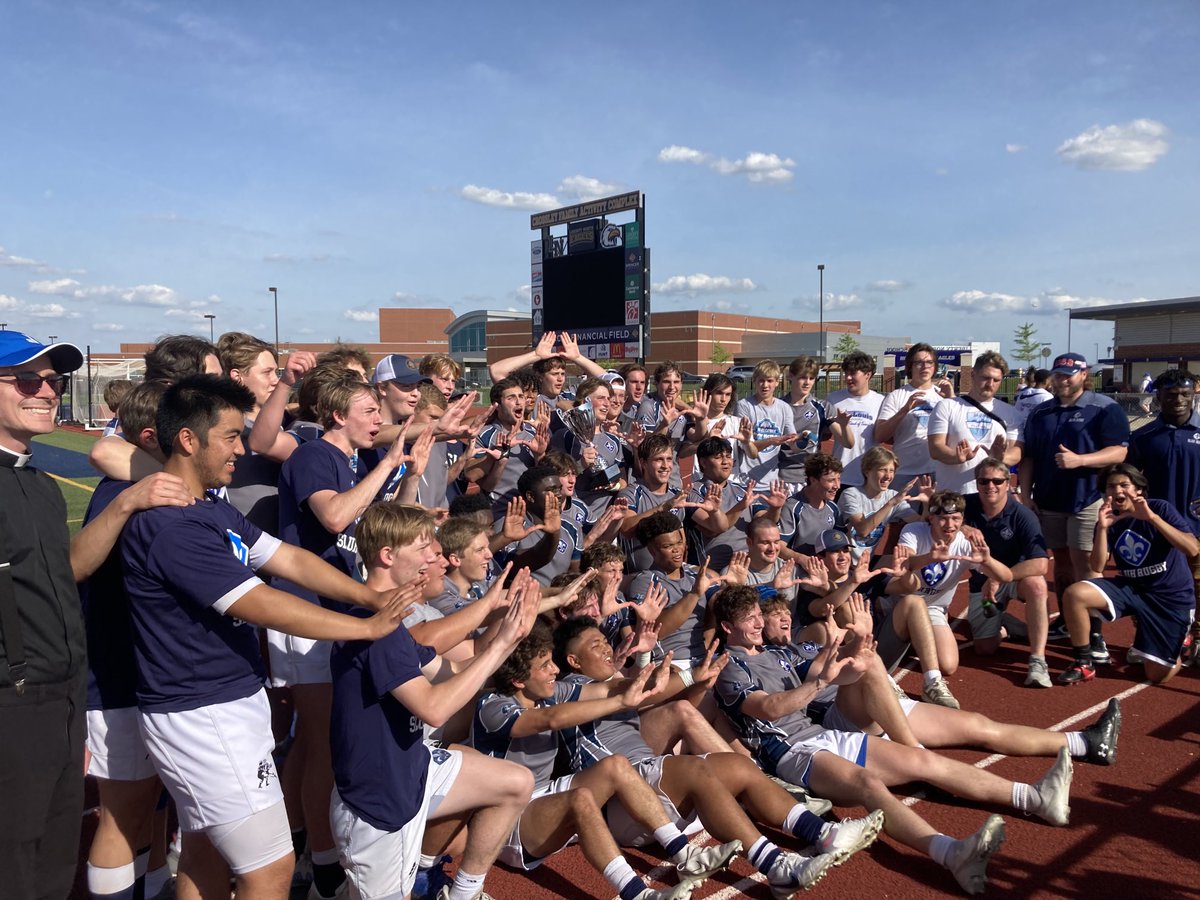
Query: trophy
[(581, 422)]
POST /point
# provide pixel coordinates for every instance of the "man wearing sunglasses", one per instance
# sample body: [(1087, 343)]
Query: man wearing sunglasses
[(1168, 451), (42, 645), (1014, 537)]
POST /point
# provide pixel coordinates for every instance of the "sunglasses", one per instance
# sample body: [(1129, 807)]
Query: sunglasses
[(1165, 384), (948, 510), (29, 383), (992, 481)]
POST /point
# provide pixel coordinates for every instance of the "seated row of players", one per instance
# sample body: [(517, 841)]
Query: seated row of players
[(542, 523)]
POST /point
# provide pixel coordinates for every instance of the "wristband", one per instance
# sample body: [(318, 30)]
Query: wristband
[(641, 660), (686, 677)]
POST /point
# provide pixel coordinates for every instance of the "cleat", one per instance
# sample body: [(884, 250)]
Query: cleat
[(845, 838), (968, 858), (1100, 655), (793, 871), (700, 863), (938, 693), (818, 806), (1054, 791), (681, 891), (1102, 737), (430, 881), (1058, 632), (1189, 655), (1134, 657), (1038, 675), (1078, 672), (900, 693)]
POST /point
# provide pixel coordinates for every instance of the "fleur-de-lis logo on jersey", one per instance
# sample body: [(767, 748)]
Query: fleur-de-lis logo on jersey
[(1132, 548)]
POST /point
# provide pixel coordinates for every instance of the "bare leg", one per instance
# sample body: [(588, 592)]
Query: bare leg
[(1064, 574), (762, 798), (1033, 591), (549, 822), (126, 814), (894, 764), (664, 726), (690, 784), (849, 785), (937, 726), (612, 777), (270, 882), (202, 870), (947, 649), (1077, 603), (1157, 673), (911, 621), (313, 702), (496, 792), (871, 704)]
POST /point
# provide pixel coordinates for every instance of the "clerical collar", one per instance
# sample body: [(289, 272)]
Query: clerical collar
[(10, 459)]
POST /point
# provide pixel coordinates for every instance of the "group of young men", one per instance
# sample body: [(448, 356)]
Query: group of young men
[(357, 621)]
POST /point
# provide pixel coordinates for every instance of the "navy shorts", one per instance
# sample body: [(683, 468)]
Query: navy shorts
[(1161, 627)]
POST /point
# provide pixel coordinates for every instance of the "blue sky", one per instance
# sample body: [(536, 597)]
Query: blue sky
[(958, 168)]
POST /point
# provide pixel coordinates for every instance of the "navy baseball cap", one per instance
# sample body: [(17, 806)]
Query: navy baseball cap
[(832, 540), (1069, 364), (16, 349), (398, 368)]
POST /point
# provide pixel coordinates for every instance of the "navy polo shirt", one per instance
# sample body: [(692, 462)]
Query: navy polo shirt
[(1093, 423), (1169, 456), (1013, 536)]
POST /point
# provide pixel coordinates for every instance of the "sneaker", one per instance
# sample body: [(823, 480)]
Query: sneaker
[(1077, 672), (793, 871), (1038, 675), (1058, 632), (938, 693), (1134, 657), (681, 891), (900, 693), (1054, 791), (968, 858), (1190, 654), (845, 838), (444, 894), (430, 881), (1101, 738), (700, 863), (818, 806), (1100, 656)]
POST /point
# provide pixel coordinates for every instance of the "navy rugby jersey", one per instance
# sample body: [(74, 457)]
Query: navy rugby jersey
[(1147, 560)]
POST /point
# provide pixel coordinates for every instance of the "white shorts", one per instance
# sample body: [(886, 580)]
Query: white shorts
[(383, 864), (297, 660), (795, 764), (118, 750), (215, 761), (513, 852), (836, 720), (631, 833)]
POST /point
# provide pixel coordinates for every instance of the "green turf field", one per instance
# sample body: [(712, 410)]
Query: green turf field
[(75, 490)]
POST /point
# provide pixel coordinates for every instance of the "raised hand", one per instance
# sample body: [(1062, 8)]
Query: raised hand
[(653, 603), (514, 528), (842, 417), (745, 431), (418, 455), (945, 387), (552, 515), (704, 580), (570, 345), (901, 554), (452, 420), (541, 438), (636, 691), (1104, 516), (1141, 509), (712, 498), (393, 607), (706, 671), (715, 427), (964, 450), (777, 496), (545, 345), (298, 363), (497, 597), (568, 594), (739, 568)]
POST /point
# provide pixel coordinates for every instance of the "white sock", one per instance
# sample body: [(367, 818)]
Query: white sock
[(1076, 745), (101, 881), (619, 873), (932, 675), (466, 886), (1023, 796), (939, 848)]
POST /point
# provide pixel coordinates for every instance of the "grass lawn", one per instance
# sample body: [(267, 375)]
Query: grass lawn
[(75, 490), (68, 440)]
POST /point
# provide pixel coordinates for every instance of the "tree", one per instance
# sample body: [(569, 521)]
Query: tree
[(719, 355), (1026, 347), (846, 344)]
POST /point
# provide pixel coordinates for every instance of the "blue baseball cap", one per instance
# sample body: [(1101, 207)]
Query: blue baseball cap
[(832, 540), (16, 349), (1069, 364)]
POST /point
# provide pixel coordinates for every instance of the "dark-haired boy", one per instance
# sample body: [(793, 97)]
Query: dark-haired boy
[(552, 546)]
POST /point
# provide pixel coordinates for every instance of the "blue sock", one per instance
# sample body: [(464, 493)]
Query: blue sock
[(763, 855), (804, 824)]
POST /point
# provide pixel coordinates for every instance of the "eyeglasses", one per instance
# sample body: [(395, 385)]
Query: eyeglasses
[(29, 383), (924, 362), (948, 510), (992, 481)]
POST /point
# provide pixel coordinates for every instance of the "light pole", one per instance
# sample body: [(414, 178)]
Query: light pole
[(821, 301), (212, 336), (53, 338), (275, 294), (3, 326)]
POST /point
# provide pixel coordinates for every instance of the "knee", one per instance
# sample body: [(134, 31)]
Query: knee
[(1032, 589), (582, 803), (616, 768), (515, 784)]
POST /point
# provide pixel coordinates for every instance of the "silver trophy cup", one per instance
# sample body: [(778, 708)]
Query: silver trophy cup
[(581, 422)]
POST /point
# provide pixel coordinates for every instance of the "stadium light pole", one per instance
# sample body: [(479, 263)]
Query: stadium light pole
[(275, 294), (212, 335), (821, 302), (53, 338)]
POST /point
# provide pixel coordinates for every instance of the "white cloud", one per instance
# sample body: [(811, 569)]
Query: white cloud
[(1015, 148), (889, 286), (758, 167), (404, 298), (582, 187), (191, 314), (1117, 148), (704, 284), (108, 326), (361, 315), (49, 311), (7, 259), (1045, 303), (509, 199), (7, 302), (834, 302), (139, 295)]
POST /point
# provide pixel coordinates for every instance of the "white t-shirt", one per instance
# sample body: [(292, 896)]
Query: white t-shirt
[(958, 420), (766, 421), (1028, 399), (730, 431), (938, 579), (864, 413), (910, 442)]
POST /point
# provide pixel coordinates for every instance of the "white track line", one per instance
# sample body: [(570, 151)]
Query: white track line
[(702, 837)]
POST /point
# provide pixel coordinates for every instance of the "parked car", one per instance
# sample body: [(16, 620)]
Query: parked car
[(740, 373), (692, 378)]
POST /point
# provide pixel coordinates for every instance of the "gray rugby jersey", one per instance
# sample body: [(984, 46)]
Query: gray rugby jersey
[(618, 734), (687, 641), (721, 547), (492, 724)]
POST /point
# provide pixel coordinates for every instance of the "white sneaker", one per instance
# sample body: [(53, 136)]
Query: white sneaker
[(968, 858), (938, 693), (700, 863), (845, 838), (1054, 791), (900, 693), (1038, 675), (444, 894), (681, 891), (818, 806), (793, 871)]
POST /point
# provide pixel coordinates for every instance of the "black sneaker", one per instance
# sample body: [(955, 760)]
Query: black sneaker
[(1078, 671), (1101, 738), (1058, 632), (1100, 655)]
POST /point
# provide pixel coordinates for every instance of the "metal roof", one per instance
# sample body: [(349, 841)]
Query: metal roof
[(1132, 310)]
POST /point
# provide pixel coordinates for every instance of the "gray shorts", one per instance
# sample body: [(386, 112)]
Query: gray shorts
[(989, 626), (1071, 530)]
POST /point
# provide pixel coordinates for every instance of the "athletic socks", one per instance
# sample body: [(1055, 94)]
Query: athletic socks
[(156, 880), (1083, 654), (327, 872), (299, 840), (763, 855), (620, 875), (116, 883), (141, 862), (1076, 744), (1024, 797), (673, 840), (804, 825), (466, 886), (932, 675), (939, 848)]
